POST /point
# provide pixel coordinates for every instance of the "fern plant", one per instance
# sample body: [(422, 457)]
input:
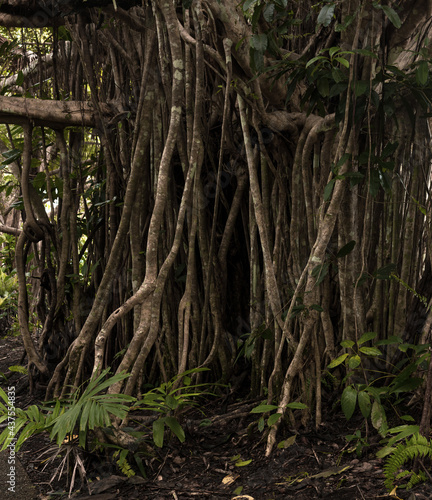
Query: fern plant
[(394, 470)]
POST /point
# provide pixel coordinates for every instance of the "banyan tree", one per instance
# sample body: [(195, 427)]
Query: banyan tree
[(237, 186)]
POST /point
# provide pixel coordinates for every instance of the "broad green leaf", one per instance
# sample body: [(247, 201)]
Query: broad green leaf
[(343, 159), (171, 402), (320, 272), (287, 442), (378, 417), (273, 419), (407, 385), (360, 87), (342, 61), (347, 344), (268, 12), (333, 50), (348, 401), (346, 249), (20, 78), (384, 452), (339, 360), (364, 403), (422, 73), (296, 406), (338, 77), (248, 4), (11, 156), (366, 52), (354, 362), (261, 424), (257, 59), (323, 87), (338, 88), (176, 428), (316, 307), (328, 190), (385, 272), (407, 418), (326, 15), (315, 59), (366, 337), (158, 432), (392, 15), (370, 351), (264, 408), (259, 42), (343, 26)]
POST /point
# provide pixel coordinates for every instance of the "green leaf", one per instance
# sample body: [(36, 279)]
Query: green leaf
[(385, 272), (323, 87), (315, 59), (342, 61), (176, 428), (339, 360), (384, 452), (378, 417), (287, 442), (348, 401), (346, 249), (337, 76), (319, 272), (248, 4), (360, 87), (242, 463), (333, 50), (370, 351), (407, 418), (326, 15), (273, 419), (422, 73), (365, 52), (328, 190), (296, 406), (259, 42), (343, 26), (366, 337), (20, 78), (348, 344), (11, 156), (392, 15), (316, 307), (264, 408), (354, 362), (268, 12), (364, 403), (158, 432), (261, 424)]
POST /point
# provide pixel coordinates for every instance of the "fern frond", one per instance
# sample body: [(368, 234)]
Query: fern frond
[(417, 446)]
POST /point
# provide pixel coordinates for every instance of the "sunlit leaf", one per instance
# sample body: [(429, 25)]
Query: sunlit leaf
[(339, 360)]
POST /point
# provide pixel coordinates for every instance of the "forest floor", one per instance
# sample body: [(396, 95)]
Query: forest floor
[(223, 459)]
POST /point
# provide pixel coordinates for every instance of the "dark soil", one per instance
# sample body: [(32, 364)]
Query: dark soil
[(222, 459)]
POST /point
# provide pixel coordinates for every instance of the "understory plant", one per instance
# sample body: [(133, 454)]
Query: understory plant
[(8, 299), (417, 450), (87, 420), (373, 391)]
